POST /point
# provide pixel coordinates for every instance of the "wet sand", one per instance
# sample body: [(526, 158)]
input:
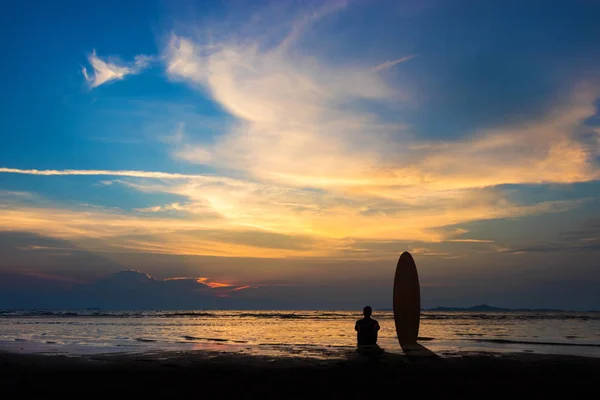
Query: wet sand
[(201, 373)]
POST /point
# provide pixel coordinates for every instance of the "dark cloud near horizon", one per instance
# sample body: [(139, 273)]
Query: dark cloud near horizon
[(566, 279), (540, 286), (584, 239), (44, 254), (590, 229), (126, 289)]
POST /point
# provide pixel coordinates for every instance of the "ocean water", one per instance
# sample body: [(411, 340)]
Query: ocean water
[(322, 334)]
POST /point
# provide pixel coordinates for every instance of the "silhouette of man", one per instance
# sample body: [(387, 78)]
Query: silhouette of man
[(367, 328)]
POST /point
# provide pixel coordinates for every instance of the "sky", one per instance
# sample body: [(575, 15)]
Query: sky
[(254, 154)]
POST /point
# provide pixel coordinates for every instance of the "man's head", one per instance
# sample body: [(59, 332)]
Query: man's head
[(367, 311)]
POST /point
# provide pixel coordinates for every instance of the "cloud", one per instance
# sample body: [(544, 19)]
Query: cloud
[(301, 107), (295, 115), (241, 218), (137, 174), (125, 289), (298, 128), (470, 241), (167, 207), (307, 121), (105, 71), (8, 194), (142, 61), (315, 154), (589, 231), (202, 232), (391, 63)]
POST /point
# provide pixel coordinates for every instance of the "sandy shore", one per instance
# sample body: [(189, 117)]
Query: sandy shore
[(204, 373)]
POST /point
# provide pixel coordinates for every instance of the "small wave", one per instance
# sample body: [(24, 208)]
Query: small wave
[(145, 340), (188, 314), (287, 315), (187, 337), (48, 313), (333, 314), (214, 339), (272, 315), (457, 316), (114, 314)]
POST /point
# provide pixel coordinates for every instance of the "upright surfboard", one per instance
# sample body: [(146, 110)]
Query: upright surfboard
[(407, 301)]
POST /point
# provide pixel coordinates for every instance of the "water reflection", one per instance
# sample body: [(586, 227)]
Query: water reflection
[(298, 332)]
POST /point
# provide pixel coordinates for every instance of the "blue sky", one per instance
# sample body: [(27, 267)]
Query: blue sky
[(286, 148)]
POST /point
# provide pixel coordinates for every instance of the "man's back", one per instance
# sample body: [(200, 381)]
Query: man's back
[(366, 329)]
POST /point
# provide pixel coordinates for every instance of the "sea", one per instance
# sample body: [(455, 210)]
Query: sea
[(326, 334)]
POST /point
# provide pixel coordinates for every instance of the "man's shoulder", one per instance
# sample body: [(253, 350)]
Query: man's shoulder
[(367, 321)]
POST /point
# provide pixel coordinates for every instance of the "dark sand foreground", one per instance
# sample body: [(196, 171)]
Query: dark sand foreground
[(225, 375)]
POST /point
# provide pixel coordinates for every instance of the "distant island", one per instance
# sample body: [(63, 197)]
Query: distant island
[(488, 308)]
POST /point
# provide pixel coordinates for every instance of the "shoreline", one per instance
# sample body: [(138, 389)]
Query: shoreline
[(443, 348), (201, 372)]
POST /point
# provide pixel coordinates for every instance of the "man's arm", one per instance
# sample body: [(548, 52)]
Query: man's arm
[(356, 327)]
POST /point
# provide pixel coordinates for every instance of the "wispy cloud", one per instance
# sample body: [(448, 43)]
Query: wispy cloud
[(105, 71), (295, 114), (297, 126), (209, 282), (470, 241), (136, 174), (167, 207), (15, 194), (391, 63)]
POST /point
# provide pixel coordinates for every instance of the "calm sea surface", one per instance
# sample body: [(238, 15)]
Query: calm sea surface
[(301, 333)]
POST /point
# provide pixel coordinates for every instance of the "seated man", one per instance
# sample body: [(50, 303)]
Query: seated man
[(367, 329)]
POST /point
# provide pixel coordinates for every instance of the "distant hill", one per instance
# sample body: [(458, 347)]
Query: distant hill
[(487, 308)]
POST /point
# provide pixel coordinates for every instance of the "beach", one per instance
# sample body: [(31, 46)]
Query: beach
[(226, 374), (295, 354)]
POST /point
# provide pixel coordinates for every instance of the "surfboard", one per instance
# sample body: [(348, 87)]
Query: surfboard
[(407, 301)]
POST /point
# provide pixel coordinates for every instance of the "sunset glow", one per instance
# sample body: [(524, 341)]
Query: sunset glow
[(283, 143)]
